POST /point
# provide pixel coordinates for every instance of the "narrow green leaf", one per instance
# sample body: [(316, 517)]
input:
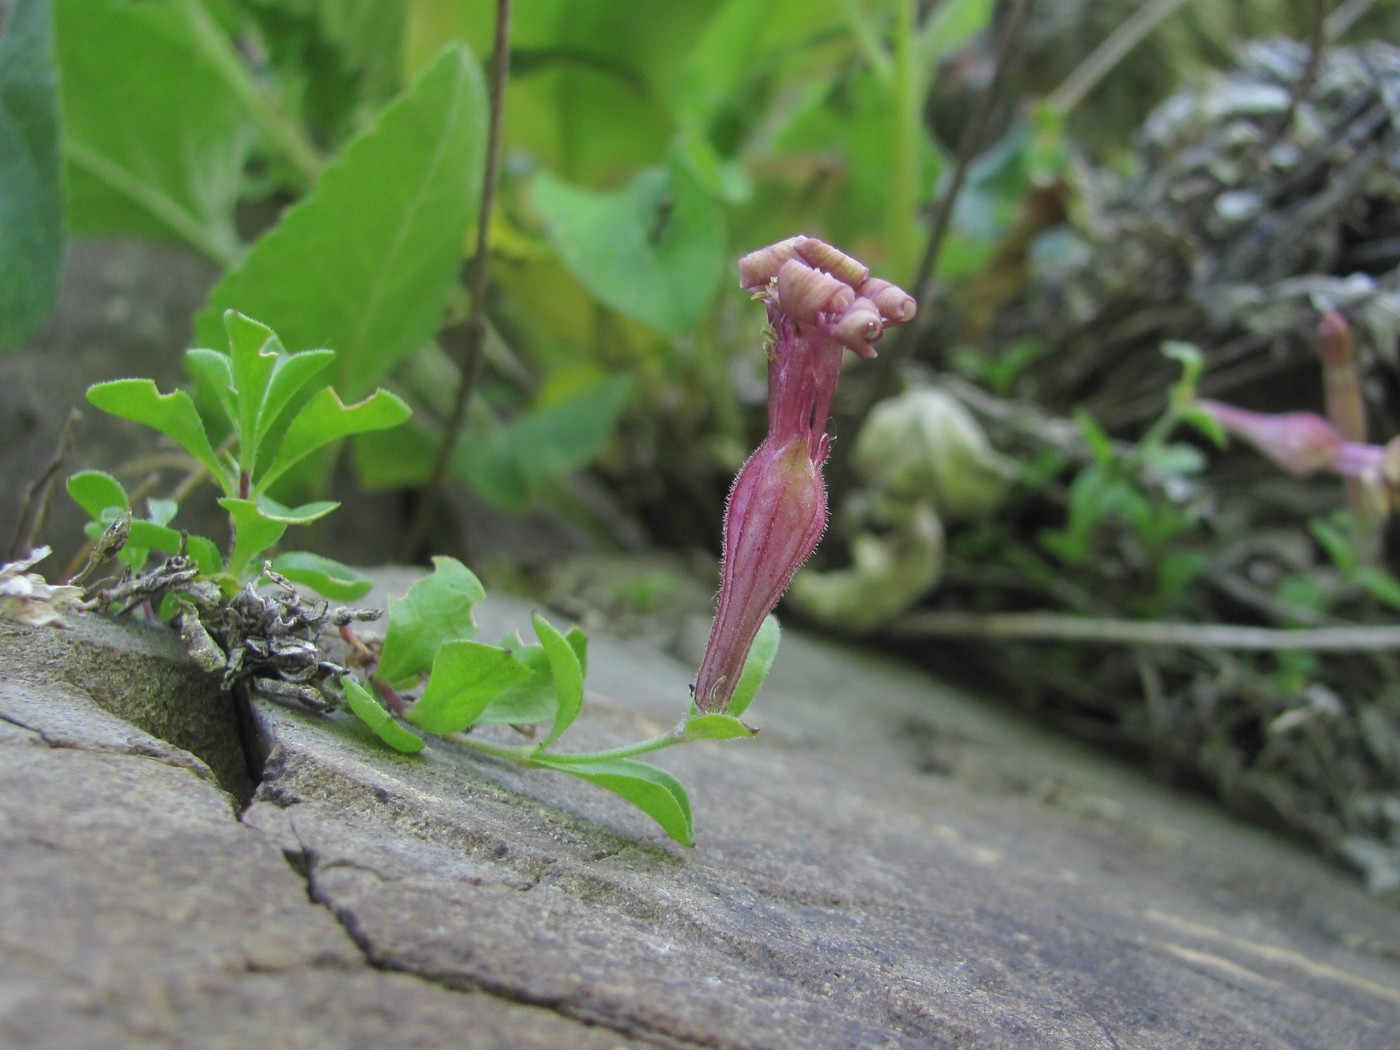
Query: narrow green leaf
[(567, 673), (325, 576), (31, 206), (466, 676), (436, 610), (652, 790), (173, 414), (716, 727), (325, 418), (95, 491), (154, 138), (253, 352), (373, 714), (756, 667), (367, 260), (213, 375), (654, 250)]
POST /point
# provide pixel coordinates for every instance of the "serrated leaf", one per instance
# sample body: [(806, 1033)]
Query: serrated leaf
[(654, 249), (31, 206), (382, 724), (95, 491), (466, 676), (325, 576), (436, 610), (652, 790), (756, 666), (173, 414), (155, 140), (325, 418), (567, 673), (716, 727), (366, 261)]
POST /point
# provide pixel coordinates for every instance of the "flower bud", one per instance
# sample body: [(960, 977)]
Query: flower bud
[(1299, 442), (859, 327), (804, 294), (895, 304), (823, 256), (758, 268)]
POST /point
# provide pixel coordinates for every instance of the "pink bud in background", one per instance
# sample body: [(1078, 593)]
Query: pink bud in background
[(820, 302), (1299, 442)]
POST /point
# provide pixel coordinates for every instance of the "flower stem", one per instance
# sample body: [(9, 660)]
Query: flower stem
[(525, 754)]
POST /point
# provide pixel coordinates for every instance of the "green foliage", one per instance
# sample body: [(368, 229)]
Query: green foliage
[(470, 684), (1144, 488), (257, 386), (31, 206)]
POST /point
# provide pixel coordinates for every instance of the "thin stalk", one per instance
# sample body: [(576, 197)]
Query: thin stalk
[(862, 29), (473, 330), (525, 754), (1107, 630), (1130, 32), (289, 137)]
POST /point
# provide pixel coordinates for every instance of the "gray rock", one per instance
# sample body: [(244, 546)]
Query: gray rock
[(889, 863)]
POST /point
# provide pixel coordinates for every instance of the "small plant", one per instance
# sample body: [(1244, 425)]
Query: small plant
[(270, 430)]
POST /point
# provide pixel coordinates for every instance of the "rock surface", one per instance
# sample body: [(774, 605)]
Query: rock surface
[(888, 864)]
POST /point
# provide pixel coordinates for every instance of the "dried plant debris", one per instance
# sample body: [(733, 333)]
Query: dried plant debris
[(26, 597), (272, 641), (1264, 196)]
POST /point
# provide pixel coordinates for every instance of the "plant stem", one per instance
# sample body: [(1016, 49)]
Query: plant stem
[(525, 754), (284, 132), (473, 330), (1109, 53), (1107, 630), (901, 220)]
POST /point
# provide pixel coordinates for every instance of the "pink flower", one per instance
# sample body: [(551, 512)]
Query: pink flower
[(820, 302), (1299, 442)]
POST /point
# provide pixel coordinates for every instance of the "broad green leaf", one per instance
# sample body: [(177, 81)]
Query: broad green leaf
[(325, 576), (654, 250), (366, 261), (716, 727), (173, 414), (436, 610), (253, 532), (567, 673), (756, 667), (466, 676), (535, 699), (31, 205), (206, 554), (95, 491), (373, 714), (325, 418), (651, 789), (155, 139), (508, 464)]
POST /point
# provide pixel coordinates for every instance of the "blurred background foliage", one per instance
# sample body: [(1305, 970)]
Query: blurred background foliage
[(1070, 187)]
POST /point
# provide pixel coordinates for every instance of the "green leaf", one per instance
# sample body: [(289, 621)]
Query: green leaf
[(1099, 442), (96, 491), (173, 414), (568, 676), (1380, 585), (653, 250), (367, 260), (206, 554), (264, 378), (1207, 424), (756, 667), (436, 610), (535, 699), (155, 140), (254, 532), (325, 418), (507, 464), (466, 677), (325, 576), (31, 206), (716, 727), (373, 714), (651, 789)]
